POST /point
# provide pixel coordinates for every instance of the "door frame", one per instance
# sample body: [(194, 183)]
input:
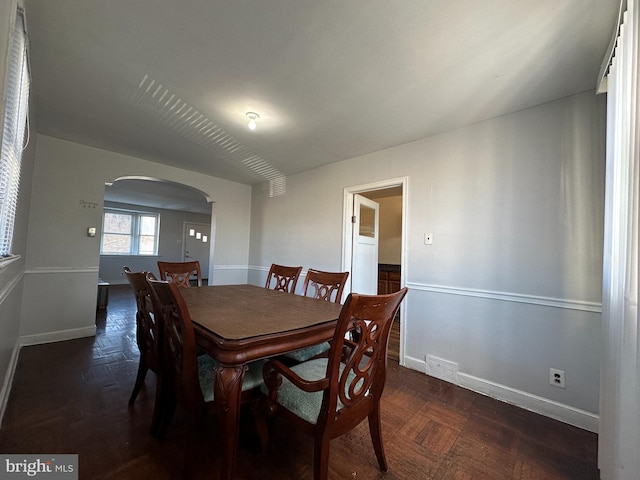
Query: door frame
[(347, 236)]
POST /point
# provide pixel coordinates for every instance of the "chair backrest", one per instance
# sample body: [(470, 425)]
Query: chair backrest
[(325, 285), (357, 368), (283, 279), (179, 353), (148, 330), (180, 273)]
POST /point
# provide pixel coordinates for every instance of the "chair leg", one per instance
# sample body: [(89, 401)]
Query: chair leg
[(376, 437), (321, 458), (262, 430), (142, 373), (191, 450), (169, 403), (158, 407)]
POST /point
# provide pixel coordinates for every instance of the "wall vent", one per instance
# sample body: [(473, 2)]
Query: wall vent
[(442, 369)]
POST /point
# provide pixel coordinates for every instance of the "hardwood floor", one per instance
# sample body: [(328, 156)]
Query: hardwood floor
[(71, 397)]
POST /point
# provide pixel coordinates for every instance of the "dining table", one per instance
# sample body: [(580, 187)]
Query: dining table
[(238, 324)]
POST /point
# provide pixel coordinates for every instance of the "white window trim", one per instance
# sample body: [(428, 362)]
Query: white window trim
[(5, 261), (135, 236)]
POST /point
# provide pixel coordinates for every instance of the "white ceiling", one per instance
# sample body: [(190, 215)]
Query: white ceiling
[(171, 81)]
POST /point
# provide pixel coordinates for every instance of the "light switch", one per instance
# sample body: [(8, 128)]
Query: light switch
[(428, 238), (91, 231)]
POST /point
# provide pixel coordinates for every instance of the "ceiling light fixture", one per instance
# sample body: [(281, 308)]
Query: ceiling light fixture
[(252, 119)]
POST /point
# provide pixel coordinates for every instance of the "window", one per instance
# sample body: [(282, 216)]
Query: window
[(13, 134), (129, 233)]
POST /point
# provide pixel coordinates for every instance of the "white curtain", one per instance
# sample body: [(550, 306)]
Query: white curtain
[(619, 435)]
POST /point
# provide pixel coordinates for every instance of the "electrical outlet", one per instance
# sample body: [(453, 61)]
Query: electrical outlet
[(556, 378)]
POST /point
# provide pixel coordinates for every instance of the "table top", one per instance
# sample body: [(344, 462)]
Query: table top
[(240, 312)]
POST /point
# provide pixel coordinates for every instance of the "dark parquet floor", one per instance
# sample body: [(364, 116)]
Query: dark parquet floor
[(71, 397)]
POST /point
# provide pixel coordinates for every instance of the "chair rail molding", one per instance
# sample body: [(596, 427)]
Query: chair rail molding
[(47, 270), (233, 267), (570, 304)]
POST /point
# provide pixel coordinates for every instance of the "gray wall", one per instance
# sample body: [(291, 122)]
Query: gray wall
[(512, 283), (169, 244)]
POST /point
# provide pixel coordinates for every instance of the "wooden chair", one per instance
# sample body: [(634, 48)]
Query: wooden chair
[(189, 378), (328, 397), (323, 286), (149, 340), (180, 273), (283, 279)]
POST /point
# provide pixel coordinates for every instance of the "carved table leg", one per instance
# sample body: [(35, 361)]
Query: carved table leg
[(227, 392)]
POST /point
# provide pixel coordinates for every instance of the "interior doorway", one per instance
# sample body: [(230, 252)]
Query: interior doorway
[(391, 234), (196, 245)]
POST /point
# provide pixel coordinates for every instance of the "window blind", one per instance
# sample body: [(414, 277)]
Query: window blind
[(13, 134)]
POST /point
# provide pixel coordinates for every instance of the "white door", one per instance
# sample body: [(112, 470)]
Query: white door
[(197, 245), (364, 266)]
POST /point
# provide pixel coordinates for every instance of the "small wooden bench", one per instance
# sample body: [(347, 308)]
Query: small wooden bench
[(103, 295)]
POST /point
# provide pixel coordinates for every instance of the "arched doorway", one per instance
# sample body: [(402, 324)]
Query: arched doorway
[(177, 208)]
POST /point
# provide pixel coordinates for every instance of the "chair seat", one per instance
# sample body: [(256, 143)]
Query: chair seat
[(305, 405), (306, 353), (206, 374)]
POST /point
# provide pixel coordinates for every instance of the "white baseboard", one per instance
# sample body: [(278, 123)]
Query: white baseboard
[(8, 379), (549, 408), (57, 336)]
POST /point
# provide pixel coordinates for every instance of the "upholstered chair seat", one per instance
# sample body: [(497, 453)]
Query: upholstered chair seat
[(305, 405), (206, 374), (306, 353)]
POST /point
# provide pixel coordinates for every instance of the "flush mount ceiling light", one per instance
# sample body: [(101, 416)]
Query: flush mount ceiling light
[(252, 119)]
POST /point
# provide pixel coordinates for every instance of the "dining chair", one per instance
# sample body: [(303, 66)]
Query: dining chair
[(149, 340), (180, 273), (321, 285), (282, 278), (328, 397), (189, 378)]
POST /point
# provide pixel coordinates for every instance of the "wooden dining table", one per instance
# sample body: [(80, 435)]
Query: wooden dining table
[(237, 324)]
